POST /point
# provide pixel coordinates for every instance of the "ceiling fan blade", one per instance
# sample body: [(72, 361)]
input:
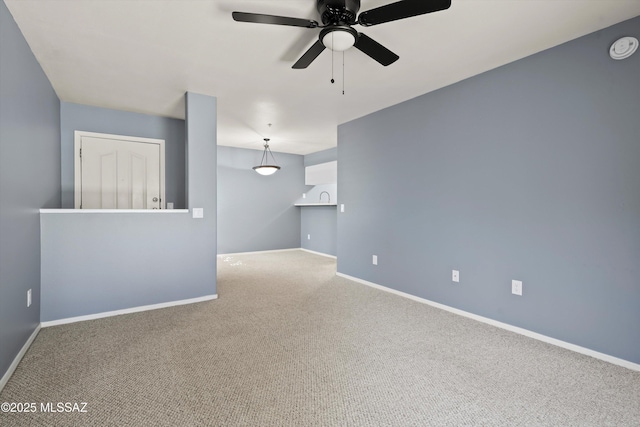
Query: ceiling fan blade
[(259, 18), (400, 10), (375, 50), (309, 56)]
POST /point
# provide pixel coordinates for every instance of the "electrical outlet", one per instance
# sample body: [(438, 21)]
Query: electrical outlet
[(169, 205), (375, 260), (455, 275), (29, 298), (516, 287), (198, 212), (308, 236)]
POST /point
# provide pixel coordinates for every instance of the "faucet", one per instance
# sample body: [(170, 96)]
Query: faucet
[(328, 196)]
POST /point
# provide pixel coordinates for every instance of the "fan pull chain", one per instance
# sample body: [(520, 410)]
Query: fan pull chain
[(332, 54), (343, 72), (332, 80)]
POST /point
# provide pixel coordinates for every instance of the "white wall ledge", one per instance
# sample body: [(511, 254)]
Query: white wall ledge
[(111, 211)]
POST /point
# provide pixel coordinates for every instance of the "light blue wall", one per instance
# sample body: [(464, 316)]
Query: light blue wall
[(103, 120), (319, 221), (256, 212), (96, 262), (29, 180), (99, 262), (528, 172), (323, 156), (201, 149)]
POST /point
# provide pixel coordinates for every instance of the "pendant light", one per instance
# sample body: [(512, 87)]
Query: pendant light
[(265, 168)]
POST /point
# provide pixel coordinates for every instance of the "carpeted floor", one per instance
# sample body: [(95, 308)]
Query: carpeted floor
[(290, 344)]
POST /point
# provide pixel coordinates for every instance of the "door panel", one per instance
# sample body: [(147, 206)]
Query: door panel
[(119, 174), (138, 187), (108, 180)]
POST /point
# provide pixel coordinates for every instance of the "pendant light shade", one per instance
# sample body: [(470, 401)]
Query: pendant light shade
[(265, 168)]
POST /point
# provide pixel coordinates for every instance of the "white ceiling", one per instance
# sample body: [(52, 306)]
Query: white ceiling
[(143, 55)]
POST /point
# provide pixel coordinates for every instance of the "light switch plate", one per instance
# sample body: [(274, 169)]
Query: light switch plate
[(516, 287), (198, 212), (455, 276), (375, 260), (342, 207)]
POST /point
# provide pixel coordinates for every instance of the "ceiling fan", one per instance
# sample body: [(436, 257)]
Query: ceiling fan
[(337, 32)]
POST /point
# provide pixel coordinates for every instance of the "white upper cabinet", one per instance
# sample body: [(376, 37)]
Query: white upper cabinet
[(324, 173)]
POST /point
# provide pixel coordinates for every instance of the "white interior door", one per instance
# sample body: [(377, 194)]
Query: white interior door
[(116, 173)]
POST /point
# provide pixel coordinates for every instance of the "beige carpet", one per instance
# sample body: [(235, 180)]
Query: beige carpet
[(290, 344)]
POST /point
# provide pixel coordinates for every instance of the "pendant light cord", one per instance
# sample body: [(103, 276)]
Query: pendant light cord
[(264, 155)]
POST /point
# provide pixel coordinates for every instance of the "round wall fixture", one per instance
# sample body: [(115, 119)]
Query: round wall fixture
[(623, 48)]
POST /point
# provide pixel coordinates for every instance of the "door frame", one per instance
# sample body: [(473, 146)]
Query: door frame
[(77, 170)]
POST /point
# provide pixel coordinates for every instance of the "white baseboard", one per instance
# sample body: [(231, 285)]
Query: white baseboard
[(318, 253), (508, 327), (18, 358), (127, 311), (260, 252), (278, 250)]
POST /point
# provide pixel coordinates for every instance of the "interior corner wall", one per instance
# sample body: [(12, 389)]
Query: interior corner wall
[(255, 212), (29, 180), (527, 172), (318, 224), (104, 120), (318, 229)]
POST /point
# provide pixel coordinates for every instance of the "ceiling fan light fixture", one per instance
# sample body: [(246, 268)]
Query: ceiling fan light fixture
[(337, 18), (264, 168), (338, 39)]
